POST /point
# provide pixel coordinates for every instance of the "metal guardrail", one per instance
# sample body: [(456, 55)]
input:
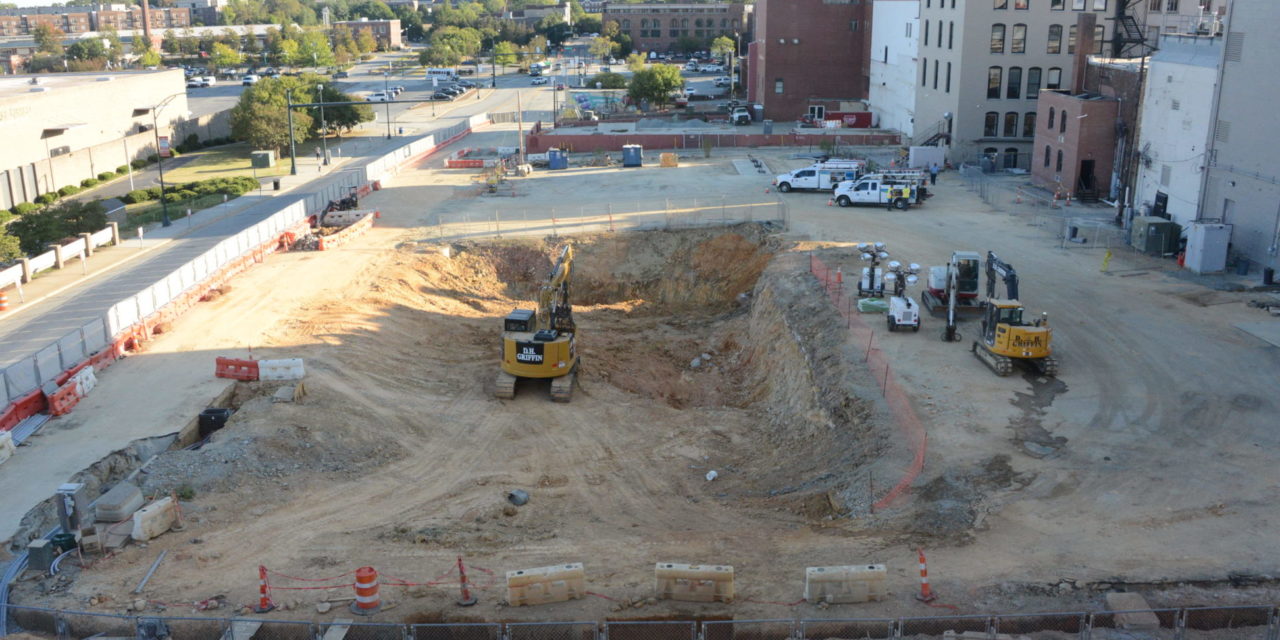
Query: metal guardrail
[(1232, 623)]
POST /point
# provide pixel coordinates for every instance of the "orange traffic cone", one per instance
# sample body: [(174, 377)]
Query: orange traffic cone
[(926, 594)]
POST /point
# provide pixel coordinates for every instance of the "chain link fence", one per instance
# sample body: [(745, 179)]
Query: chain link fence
[(670, 213), (1070, 227)]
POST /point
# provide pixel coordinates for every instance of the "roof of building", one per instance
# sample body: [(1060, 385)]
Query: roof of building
[(12, 87), (9, 42), (1196, 51)]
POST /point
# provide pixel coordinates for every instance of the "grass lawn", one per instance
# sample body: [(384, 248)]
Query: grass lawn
[(227, 161)]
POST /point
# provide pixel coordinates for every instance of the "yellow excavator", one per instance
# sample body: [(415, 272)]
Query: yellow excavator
[(1006, 335), (540, 344)]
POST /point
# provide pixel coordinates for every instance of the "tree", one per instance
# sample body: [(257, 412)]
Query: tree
[(602, 47), (610, 30), (655, 84), (722, 47), (261, 117), (365, 41), (636, 62), (689, 44), (373, 10), (68, 218), (115, 48), (608, 81), (504, 53), (464, 40), (440, 56), (90, 49), (48, 39), (224, 56), (10, 247), (150, 58), (313, 49), (347, 116), (587, 24), (287, 52)]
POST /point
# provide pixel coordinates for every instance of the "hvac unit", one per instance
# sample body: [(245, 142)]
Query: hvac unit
[(1154, 235), (1207, 247)]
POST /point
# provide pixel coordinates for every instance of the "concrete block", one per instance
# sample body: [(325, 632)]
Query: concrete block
[(543, 585), (286, 369), (845, 584), (119, 503), (153, 519), (693, 582), (40, 555), (6, 446), (1137, 612)]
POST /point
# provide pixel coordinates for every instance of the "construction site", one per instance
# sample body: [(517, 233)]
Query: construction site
[(732, 405)]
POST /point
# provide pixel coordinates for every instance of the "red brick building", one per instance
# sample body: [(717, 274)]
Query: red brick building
[(385, 32), (1075, 143), (76, 19), (660, 27), (809, 54)]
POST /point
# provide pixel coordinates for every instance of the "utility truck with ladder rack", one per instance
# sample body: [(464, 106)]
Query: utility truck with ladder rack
[(825, 175)]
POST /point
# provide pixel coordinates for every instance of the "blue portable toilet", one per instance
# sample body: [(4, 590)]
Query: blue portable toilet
[(557, 159), (632, 155)]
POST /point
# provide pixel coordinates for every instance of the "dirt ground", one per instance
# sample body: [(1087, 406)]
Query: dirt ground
[(1145, 464)]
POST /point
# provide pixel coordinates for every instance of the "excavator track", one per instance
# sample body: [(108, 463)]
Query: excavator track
[(1048, 366), (562, 388), (1002, 365), (504, 387)]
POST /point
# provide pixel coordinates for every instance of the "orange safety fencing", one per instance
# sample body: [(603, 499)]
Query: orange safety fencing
[(899, 404), (236, 369), (63, 400)]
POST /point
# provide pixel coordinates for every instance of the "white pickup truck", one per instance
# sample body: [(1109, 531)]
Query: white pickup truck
[(877, 188), (820, 175)]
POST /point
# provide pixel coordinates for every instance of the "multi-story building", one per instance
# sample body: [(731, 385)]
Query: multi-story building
[(809, 57), (82, 19), (662, 27), (1242, 181), (983, 63), (385, 32), (203, 12), (894, 47), (531, 16)]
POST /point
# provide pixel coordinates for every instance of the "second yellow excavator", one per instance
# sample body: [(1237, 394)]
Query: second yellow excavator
[(541, 343), (1006, 335)]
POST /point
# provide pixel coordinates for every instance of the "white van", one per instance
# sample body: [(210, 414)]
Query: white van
[(442, 74)]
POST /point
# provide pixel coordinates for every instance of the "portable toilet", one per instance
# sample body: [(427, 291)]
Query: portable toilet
[(632, 155), (557, 159)]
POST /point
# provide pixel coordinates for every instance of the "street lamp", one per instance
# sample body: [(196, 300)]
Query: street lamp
[(293, 151), (386, 96), (160, 153), (324, 128)]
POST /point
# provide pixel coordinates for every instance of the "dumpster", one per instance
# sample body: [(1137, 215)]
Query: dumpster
[(632, 155), (557, 159)]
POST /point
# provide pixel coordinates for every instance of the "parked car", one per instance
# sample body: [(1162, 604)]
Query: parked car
[(454, 90), (440, 95), (249, 79), (740, 115), (195, 82), (208, 81), (605, 69), (398, 89), (560, 86), (377, 97), (722, 81), (467, 83), (340, 75), (538, 81)]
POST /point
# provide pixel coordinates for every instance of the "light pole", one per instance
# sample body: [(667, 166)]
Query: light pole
[(386, 95), (155, 129), (293, 149), (324, 128)]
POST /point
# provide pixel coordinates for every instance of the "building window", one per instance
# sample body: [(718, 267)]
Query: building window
[(675, 24), (948, 77), (951, 34), (994, 76), (990, 126), (924, 74), (1033, 83), (1099, 35), (935, 75), (1002, 4), (1019, 39), (1054, 79), (644, 24), (1059, 167), (908, 29), (626, 24), (1062, 122), (1047, 155), (1071, 40), (1171, 6), (1155, 5), (1077, 5), (724, 23), (1055, 39), (926, 33), (1013, 90), (1099, 5), (697, 22), (997, 37), (1020, 4), (1010, 124), (1051, 114), (853, 25), (1029, 124), (886, 55), (1011, 158), (1057, 5), (777, 86), (990, 153), (684, 24)]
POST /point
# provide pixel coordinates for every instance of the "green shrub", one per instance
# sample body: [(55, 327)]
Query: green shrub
[(122, 169), (90, 182), (47, 198), (151, 159), (5, 216), (138, 195), (153, 193), (23, 208), (69, 190), (139, 163), (106, 175)]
